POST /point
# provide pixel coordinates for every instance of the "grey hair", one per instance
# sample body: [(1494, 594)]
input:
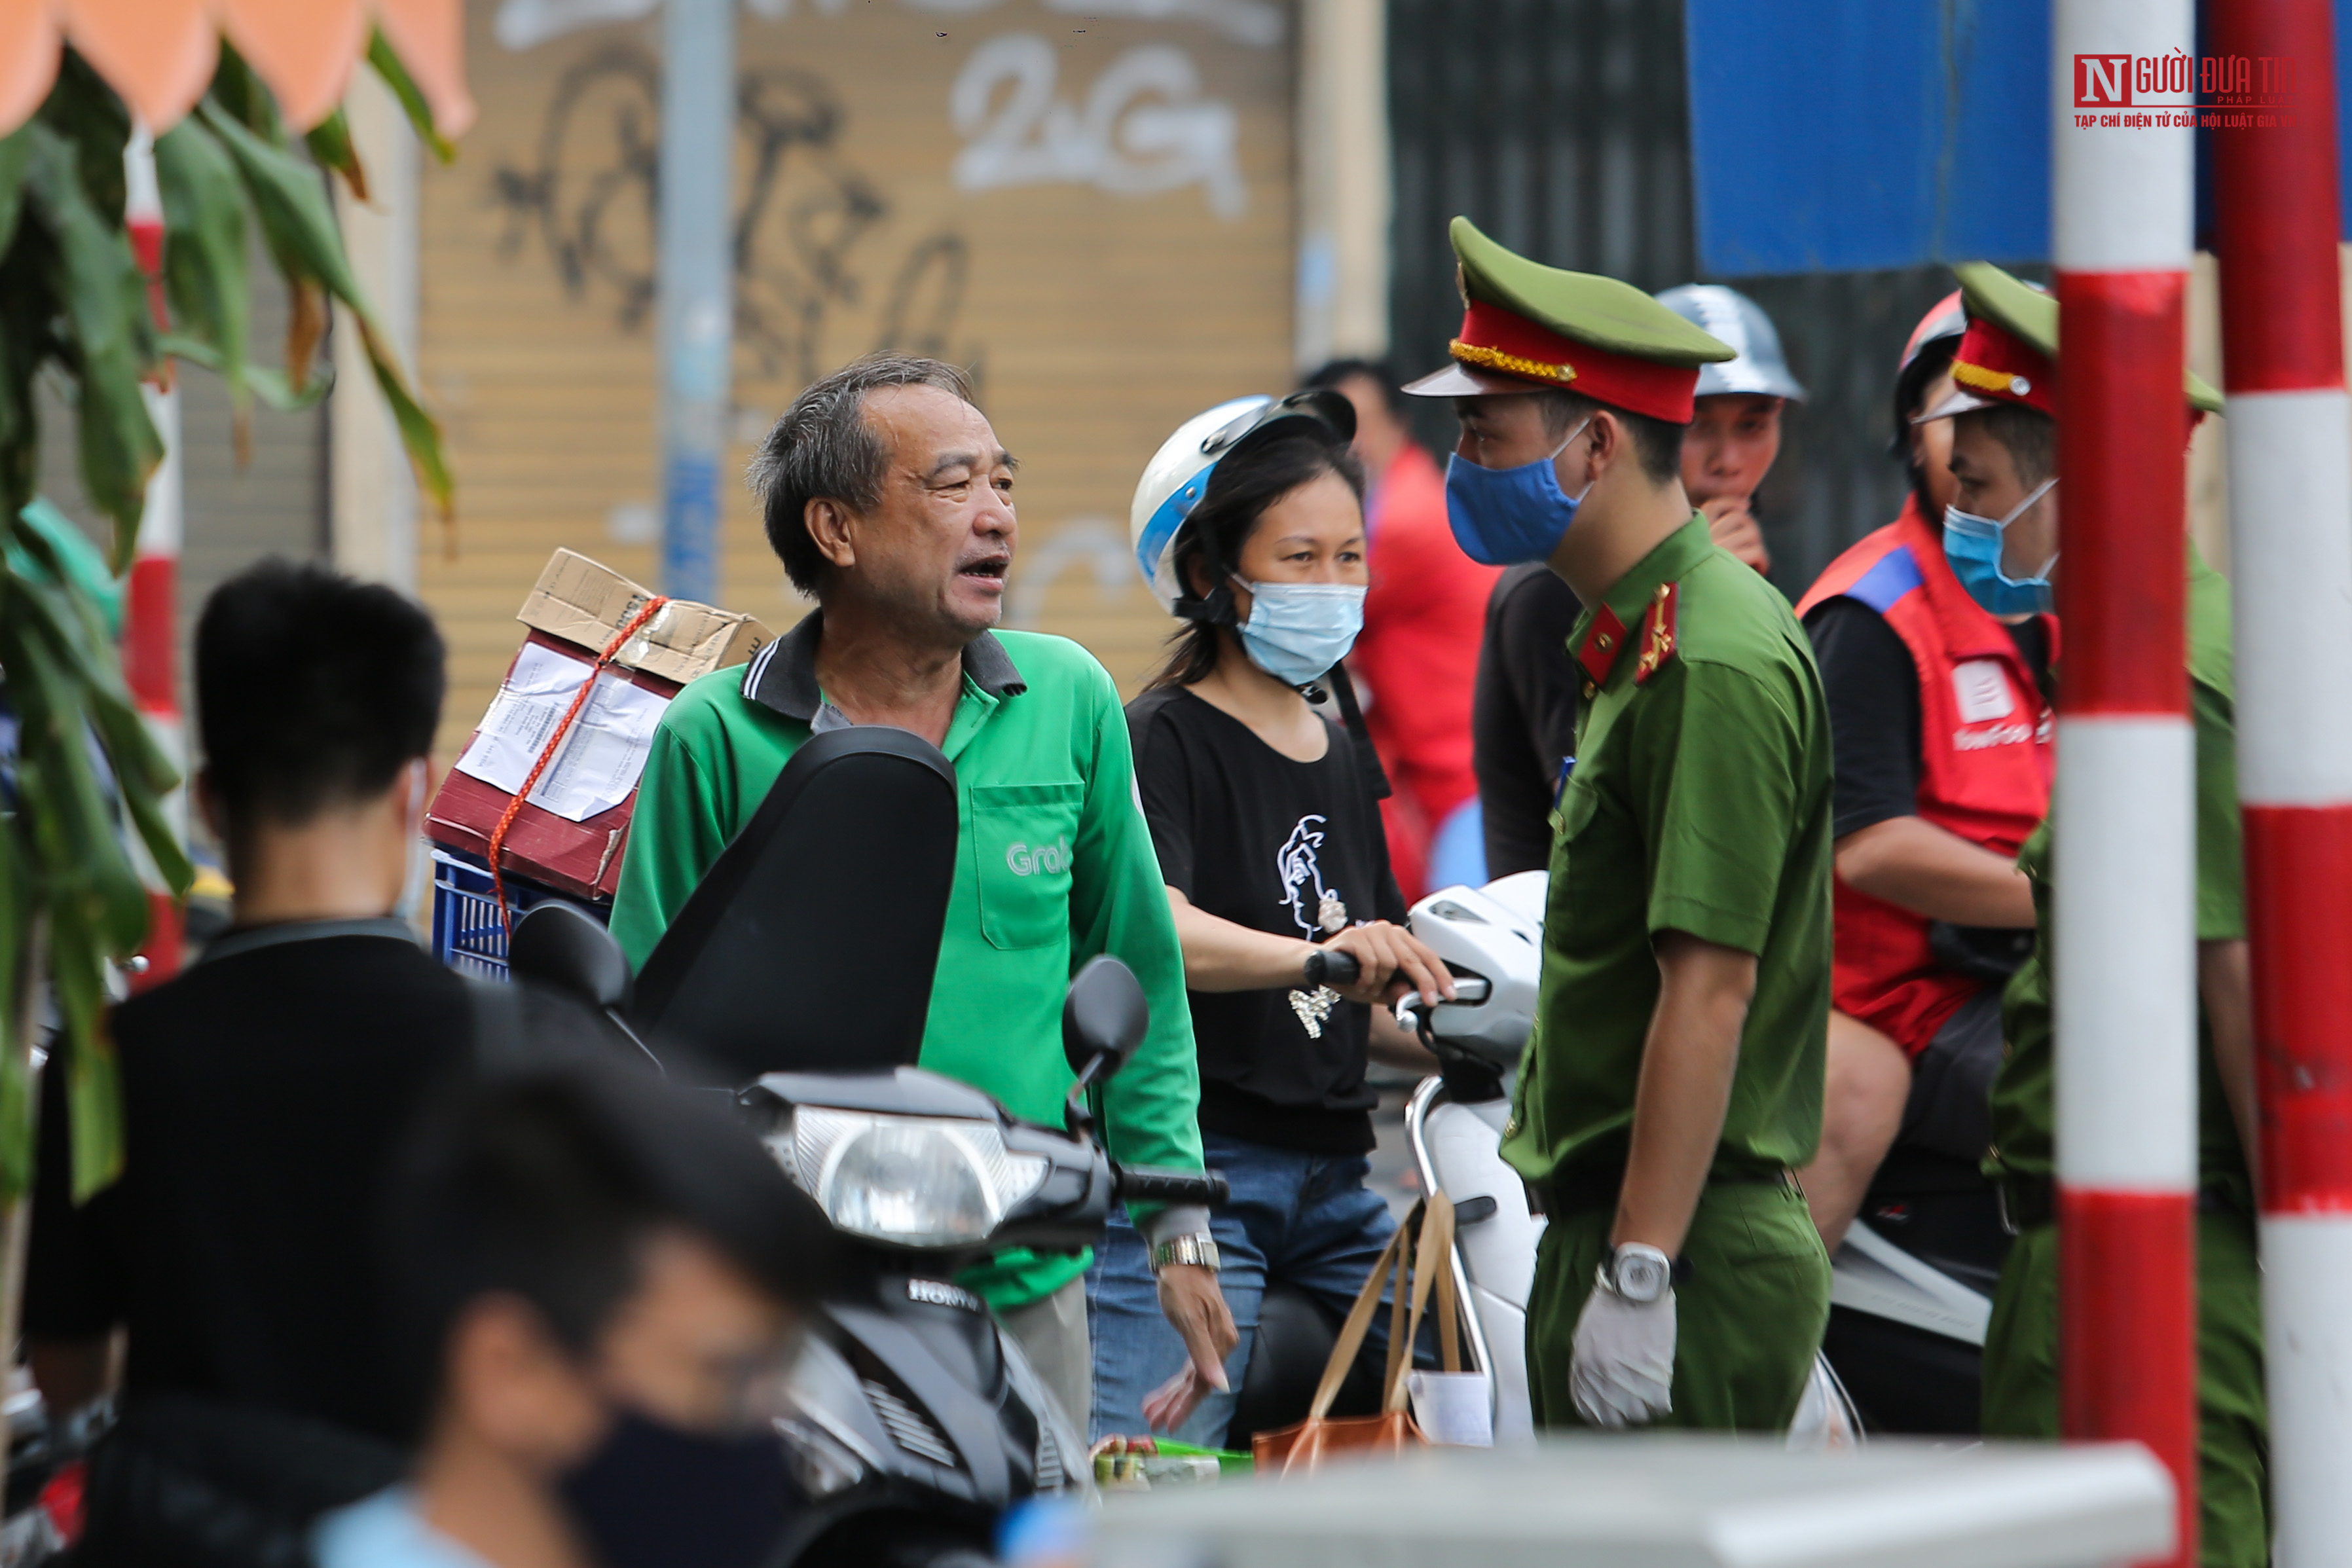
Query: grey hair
[(823, 449)]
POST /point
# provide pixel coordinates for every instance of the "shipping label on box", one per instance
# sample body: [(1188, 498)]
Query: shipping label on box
[(570, 833)]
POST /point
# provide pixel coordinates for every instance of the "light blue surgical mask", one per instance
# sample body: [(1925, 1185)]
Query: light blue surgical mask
[(1502, 516), (1297, 631), (1973, 545)]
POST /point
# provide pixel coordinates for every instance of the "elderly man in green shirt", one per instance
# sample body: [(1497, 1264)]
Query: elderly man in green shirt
[(1674, 1077), (889, 501)]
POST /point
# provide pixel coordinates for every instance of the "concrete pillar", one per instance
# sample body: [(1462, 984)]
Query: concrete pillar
[(371, 525), (1343, 180)]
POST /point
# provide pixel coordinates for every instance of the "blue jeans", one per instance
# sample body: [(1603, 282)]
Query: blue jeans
[(1307, 1221)]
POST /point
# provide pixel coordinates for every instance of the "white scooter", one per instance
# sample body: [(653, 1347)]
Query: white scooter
[(1908, 1320)]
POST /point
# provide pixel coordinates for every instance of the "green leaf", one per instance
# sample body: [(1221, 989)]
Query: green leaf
[(239, 91), (331, 146), (412, 98), (15, 151), (296, 217), (21, 950), (269, 385), (204, 268), (95, 278), (418, 431), (88, 115), (301, 228)]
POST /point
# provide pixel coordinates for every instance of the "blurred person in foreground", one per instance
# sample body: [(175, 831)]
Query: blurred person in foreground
[(1940, 709), (1417, 659), (1525, 712), (263, 1092), (600, 1280), (888, 499)]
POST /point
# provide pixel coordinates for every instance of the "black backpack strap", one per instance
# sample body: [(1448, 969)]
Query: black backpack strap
[(1344, 689)]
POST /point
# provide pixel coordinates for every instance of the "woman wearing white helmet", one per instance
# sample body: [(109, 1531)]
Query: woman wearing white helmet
[(1249, 525)]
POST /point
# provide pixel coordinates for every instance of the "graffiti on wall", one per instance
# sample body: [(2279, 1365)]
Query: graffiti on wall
[(807, 264)]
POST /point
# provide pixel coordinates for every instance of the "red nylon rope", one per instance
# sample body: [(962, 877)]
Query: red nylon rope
[(547, 755)]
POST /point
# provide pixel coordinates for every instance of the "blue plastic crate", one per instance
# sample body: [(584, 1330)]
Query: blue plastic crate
[(468, 934)]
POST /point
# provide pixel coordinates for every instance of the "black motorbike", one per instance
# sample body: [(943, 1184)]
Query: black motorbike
[(796, 980)]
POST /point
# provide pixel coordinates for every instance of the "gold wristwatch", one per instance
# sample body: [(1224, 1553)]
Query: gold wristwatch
[(1198, 1251)]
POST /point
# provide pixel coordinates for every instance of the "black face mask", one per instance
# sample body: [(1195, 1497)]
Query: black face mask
[(657, 1496)]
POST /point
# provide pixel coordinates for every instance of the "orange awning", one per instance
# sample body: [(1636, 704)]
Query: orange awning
[(159, 54)]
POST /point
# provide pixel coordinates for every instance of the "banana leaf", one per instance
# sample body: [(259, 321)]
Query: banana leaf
[(298, 225), (93, 276), (15, 151), (205, 273), (331, 146), (412, 98)]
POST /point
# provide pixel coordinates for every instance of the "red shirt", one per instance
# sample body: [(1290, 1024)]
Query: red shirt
[(1417, 660)]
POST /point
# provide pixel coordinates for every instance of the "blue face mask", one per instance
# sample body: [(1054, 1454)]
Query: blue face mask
[(1296, 631), (1502, 516), (1973, 544)]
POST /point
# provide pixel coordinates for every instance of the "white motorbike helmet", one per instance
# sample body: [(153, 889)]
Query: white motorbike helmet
[(1177, 477)]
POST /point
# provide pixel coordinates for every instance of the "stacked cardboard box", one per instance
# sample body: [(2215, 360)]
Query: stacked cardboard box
[(570, 831)]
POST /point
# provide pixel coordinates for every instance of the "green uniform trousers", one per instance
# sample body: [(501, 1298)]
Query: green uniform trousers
[(1748, 1317), (2021, 1376)]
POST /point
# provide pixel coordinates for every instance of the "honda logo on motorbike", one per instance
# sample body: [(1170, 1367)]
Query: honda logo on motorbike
[(939, 1293), (1024, 861)]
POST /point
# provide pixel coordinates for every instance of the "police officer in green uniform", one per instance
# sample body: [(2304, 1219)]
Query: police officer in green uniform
[(1675, 1076), (2001, 536)]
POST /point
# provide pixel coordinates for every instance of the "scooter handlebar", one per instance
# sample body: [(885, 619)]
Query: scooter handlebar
[(1330, 967), (1149, 1184)]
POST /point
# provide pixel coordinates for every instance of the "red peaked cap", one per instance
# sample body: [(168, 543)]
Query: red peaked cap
[(1996, 363), (1495, 338)]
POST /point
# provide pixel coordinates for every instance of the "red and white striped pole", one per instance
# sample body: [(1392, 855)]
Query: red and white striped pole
[(2291, 529), (150, 612), (2126, 934)]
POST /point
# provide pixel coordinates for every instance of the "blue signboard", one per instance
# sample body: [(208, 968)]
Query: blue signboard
[(1836, 135)]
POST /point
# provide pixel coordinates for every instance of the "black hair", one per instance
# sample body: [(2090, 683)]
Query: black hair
[(1268, 465), (313, 690), (1934, 358), (1331, 372), (546, 1185), (824, 449), (2029, 436), (1657, 443)]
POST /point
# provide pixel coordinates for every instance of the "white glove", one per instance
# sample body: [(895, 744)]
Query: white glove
[(1622, 1371)]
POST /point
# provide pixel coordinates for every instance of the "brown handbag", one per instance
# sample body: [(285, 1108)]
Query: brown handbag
[(1426, 1260)]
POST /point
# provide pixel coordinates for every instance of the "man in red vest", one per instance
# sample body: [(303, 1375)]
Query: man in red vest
[(1942, 731), (1418, 657)]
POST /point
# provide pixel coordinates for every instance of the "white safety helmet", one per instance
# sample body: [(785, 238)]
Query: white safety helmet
[(1727, 314), (1177, 477)]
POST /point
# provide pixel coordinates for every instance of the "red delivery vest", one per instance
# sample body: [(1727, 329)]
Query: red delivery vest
[(1985, 763)]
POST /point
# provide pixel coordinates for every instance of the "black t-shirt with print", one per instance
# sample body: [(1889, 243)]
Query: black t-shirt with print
[(1294, 848)]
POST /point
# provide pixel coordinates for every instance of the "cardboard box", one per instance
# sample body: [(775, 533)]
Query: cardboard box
[(575, 611), (584, 602)]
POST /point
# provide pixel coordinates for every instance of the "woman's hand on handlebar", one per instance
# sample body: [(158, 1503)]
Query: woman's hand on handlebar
[(1390, 961)]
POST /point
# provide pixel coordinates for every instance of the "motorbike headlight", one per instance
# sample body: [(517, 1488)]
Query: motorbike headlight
[(917, 1181)]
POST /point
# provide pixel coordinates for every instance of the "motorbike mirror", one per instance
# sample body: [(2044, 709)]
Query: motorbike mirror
[(562, 946), (1103, 1020)]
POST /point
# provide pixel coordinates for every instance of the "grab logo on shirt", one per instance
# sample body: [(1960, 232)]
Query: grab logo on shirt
[(1024, 861)]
